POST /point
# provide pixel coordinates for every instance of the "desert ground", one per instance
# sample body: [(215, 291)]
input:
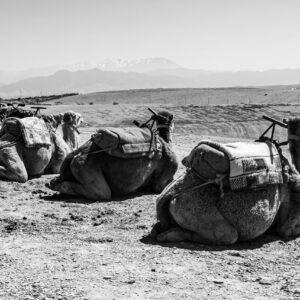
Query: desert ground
[(55, 247)]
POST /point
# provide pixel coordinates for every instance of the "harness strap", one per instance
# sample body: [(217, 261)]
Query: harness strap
[(94, 152), (218, 180)]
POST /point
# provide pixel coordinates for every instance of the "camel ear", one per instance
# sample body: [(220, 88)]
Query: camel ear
[(186, 161), (79, 119), (171, 117)]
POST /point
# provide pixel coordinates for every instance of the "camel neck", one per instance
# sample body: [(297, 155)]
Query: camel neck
[(165, 134), (70, 136)]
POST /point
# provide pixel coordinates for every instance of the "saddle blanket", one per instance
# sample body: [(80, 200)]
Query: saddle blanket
[(128, 142), (35, 132), (251, 164)]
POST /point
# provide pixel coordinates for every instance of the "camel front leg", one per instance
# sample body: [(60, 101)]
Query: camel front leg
[(289, 226), (77, 189), (198, 224), (221, 235), (89, 181)]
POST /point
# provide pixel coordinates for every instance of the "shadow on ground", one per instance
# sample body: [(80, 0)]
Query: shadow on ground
[(79, 199), (243, 245)]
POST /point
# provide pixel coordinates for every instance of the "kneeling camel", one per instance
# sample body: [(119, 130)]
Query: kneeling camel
[(193, 209), (95, 174), (18, 161)]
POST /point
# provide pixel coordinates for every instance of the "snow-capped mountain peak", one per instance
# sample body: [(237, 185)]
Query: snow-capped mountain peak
[(139, 65)]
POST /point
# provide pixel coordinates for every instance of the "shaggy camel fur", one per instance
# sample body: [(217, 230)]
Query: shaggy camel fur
[(98, 176), (201, 215), (18, 163)]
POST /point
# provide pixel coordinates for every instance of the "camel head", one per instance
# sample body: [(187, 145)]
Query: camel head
[(165, 125), (71, 123)]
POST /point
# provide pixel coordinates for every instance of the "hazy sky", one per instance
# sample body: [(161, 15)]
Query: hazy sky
[(203, 34)]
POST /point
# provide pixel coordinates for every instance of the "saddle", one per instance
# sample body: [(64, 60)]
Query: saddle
[(247, 165), (132, 142), (33, 131)]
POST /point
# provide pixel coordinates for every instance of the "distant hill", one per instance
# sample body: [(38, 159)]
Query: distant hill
[(119, 65), (86, 82), (141, 74)]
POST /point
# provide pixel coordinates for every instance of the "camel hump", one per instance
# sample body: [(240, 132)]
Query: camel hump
[(33, 130), (128, 142), (247, 164)]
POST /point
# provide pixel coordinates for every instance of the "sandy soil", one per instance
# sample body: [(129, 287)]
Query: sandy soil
[(55, 247)]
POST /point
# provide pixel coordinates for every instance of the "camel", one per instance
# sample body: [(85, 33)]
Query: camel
[(18, 162), (197, 210), (96, 175)]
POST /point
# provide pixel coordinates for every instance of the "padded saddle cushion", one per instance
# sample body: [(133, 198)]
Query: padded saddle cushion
[(248, 165), (33, 130), (128, 142)]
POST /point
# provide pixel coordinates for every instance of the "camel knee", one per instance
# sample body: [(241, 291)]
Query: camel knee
[(226, 236), (103, 194), (22, 178), (19, 175), (223, 233), (216, 237), (291, 227)]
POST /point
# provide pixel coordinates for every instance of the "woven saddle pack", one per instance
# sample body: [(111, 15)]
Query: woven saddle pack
[(128, 142), (32, 129), (248, 165)]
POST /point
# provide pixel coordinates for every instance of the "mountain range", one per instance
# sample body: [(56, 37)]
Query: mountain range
[(138, 74)]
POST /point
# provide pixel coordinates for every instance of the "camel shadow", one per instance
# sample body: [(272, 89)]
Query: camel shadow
[(266, 238), (56, 197)]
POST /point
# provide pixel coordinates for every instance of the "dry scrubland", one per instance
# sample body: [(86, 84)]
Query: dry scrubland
[(54, 247), (204, 96)]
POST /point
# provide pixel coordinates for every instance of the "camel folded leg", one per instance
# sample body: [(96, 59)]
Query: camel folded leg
[(206, 226), (90, 182), (174, 235), (12, 166), (289, 225), (12, 174), (218, 236)]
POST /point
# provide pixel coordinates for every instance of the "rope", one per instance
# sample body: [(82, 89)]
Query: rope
[(94, 152), (218, 180)]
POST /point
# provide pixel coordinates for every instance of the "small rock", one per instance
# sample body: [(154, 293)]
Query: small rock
[(236, 254), (264, 280), (132, 281), (216, 280)]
